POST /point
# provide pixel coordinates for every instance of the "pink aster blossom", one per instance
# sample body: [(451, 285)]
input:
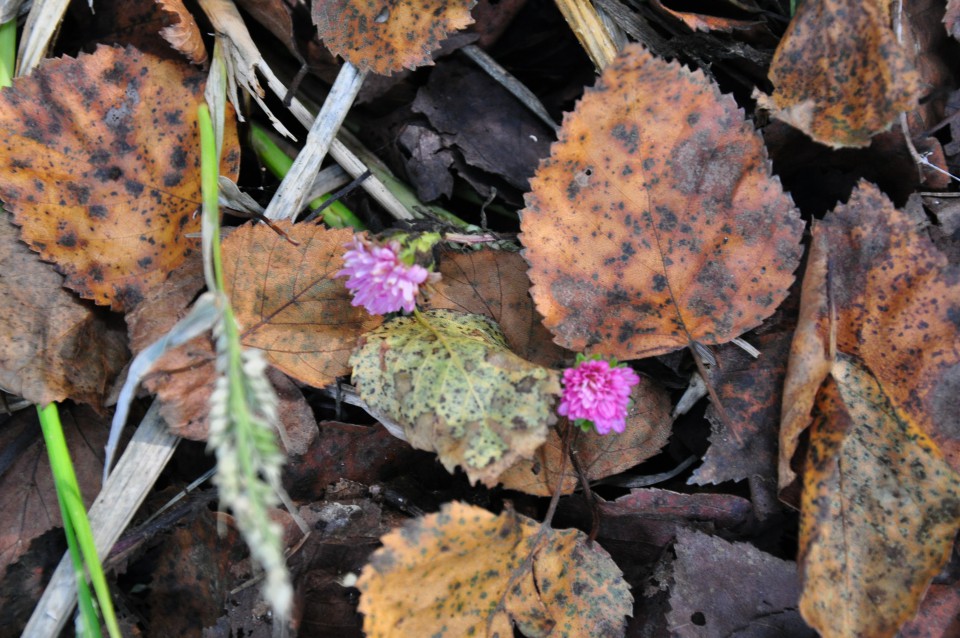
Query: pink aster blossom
[(379, 280), (595, 391)]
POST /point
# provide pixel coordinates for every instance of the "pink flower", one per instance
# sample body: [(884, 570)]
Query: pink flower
[(595, 391), (379, 280)]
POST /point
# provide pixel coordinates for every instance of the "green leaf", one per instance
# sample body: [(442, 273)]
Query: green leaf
[(457, 389)]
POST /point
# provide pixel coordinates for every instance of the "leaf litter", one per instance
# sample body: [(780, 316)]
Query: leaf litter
[(657, 171)]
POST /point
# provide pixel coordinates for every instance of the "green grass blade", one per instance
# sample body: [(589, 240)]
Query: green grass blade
[(8, 51), (337, 215), (75, 514)]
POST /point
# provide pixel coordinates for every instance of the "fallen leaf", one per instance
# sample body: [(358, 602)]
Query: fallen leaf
[(288, 302), (665, 195), (480, 120), (28, 501), (879, 510), (698, 21), (165, 303), (939, 615), (385, 38), (468, 566), (732, 589), (53, 346), (104, 180), (751, 393), (191, 578), (888, 296), (352, 452), (648, 427), (183, 380), (839, 74), (450, 381), (183, 34), (494, 283)]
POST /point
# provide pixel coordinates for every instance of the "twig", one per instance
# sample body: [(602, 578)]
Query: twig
[(291, 196)]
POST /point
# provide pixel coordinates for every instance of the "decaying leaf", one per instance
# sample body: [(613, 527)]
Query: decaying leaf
[(288, 302), (28, 500), (104, 179), (53, 346), (876, 360), (467, 564), (751, 393), (883, 293), (648, 427), (839, 74), (388, 37), (495, 283), (879, 510), (449, 379), (732, 589), (665, 195), (183, 34)]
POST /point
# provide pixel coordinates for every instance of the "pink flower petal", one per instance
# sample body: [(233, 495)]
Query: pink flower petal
[(596, 392), (379, 280)]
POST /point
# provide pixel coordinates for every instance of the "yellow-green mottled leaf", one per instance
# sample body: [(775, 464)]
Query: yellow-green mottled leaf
[(880, 509), (473, 579), (456, 388)]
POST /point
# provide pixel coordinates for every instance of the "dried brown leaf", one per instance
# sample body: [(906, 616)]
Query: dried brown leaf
[(648, 427), (879, 510), (104, 179), (462, 560), (288, 302), (183, 34), (53, 346), (494, 283), (839, 74), (388, 37), (665, 195)]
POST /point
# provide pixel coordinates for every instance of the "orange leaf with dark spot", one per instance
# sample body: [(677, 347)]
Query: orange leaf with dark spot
[(887, 296), (100, 166), (494, 283), (471, 580), (876, 360), (288, 302), (386, 37), (648, 427), (879, 510), (839, 74), (663, 196)]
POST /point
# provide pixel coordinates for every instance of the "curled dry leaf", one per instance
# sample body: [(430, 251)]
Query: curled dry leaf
[(183, 34), (665, 195), (53, 346), (494, 283), (875, 359), (468, 566), (884, 293), (288, 302), (879, 510), (105, 178), (388, 37), (839, 74), (449, 379), (648, 428)]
